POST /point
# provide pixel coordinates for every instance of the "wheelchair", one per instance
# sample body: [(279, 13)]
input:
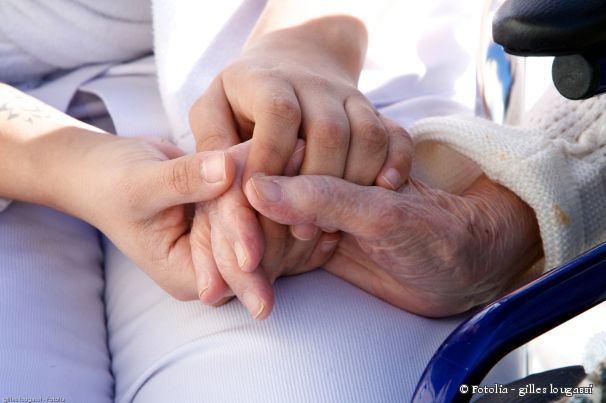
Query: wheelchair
[(573, 32)]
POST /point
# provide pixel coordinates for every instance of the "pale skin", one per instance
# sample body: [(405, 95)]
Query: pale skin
[(58, 137), (404, 247), (135, 190), (296, 79), (421, 249)]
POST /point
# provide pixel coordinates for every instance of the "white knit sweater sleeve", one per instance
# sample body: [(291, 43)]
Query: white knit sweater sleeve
[(555, 161)]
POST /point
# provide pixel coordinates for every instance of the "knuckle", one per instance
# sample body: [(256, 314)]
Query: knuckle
[(400, 131), (372, 135), (400, 135), (179, 177), (262, 72), (388, 215), (312, 191), (284, 108), (212, 139), (272, 149), (357, 94), (320, 83), (331, 134)]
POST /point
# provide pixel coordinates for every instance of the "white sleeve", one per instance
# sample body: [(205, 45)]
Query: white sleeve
[(194, 41), (431, 72), (555, 162)]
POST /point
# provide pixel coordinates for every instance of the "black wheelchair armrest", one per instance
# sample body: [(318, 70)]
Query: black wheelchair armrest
[(572, 30), (551, 27)]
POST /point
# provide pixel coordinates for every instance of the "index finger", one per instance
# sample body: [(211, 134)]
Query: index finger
[(212, 121), (277, 117)]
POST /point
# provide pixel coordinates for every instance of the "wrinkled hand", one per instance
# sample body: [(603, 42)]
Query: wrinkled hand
[(223, 232), (137, 192), (421, 249), (291, 84)]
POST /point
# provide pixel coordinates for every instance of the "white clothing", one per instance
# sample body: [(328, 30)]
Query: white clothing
[(430, 73), (53, 341), (326, 340), (555, 162), (38, 38)]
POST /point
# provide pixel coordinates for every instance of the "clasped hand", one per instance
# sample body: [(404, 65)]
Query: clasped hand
[(351, 208), (419, 248)]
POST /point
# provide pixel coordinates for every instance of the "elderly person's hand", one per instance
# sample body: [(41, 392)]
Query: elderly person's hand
[(421, 249), (217, 230), (298, 82)]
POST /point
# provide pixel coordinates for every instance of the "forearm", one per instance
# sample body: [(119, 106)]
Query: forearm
[(39, 151), (340, 27), (555, 164), (280, 14), (508, 230)]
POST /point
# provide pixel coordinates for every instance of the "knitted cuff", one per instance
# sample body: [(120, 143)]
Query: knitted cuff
[(526, 162)]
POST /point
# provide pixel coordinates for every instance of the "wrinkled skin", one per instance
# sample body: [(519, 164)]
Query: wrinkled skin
[(220, 223), (421, 249), (287, 85)]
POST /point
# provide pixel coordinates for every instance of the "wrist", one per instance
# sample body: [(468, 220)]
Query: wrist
[(40, 149), (511, 233), (63, 170), (338, 42)]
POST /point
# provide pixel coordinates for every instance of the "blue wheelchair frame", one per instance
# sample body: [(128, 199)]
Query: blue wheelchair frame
[(480, 342)]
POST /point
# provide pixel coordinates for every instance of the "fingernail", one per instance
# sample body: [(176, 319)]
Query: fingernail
[(328, 246), (213, 168), (222, 302), (202, 283), (297, 160), (304, 232), (298, 155), (240, 254), (392, 176), (267, 190), (329, 230), (253, 304)]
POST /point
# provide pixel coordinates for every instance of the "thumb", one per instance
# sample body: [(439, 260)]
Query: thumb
[(189, 179), (323, 201)]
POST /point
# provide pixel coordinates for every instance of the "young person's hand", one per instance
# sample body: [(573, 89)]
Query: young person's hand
[(224, 226), (140, 193), (292, 83), (302, 82)]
